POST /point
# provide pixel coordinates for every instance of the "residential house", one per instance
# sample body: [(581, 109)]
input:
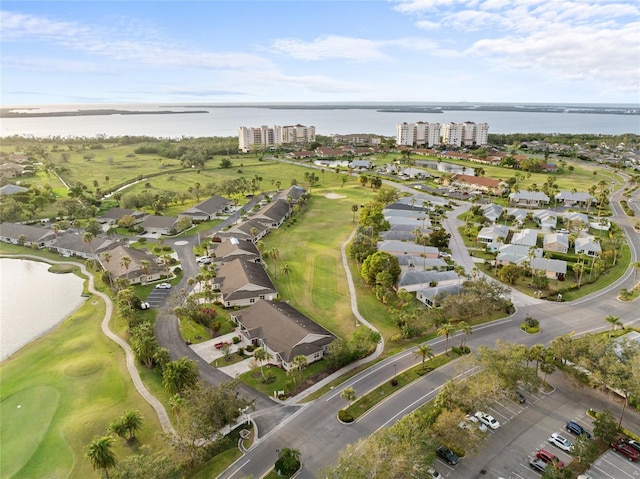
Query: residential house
[(326, 152), (402, 247), (432, 297), (408, 262), (580, 199), (251, 230), (73, 244), (575, 218), (283, 331), (491, 211), (493, 234), (417, 279), (207, 209), (402, 233), (242, 283), (273, 214), (233, 248), (26, 235), (137, 266), (116, 214), (587, 245), (8, 190), (478, 183), (552, 268), (292, 194), (529, 198), (159, 225), (546, 218), (11, 170), (361, 165), (414, 173), (516, 254), (526, 237), (556, 242), (518, 215)]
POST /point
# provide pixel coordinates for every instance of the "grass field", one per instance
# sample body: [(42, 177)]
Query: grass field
[(61, 391)]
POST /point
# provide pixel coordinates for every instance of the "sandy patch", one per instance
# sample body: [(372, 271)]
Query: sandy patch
[(334, 196)]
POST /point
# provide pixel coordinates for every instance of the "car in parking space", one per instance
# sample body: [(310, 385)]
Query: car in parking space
[(163, 286), (433, 474), (626, 450), (560, 442), (447, 455), (487, 419), (477, 422), (517, 396), (549, 458), (537, 465), (576, 429), (203, 260), (632, 443)]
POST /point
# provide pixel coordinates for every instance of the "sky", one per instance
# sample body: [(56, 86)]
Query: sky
[(205, 52)]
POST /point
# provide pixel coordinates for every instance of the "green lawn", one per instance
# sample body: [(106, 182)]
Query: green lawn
[(60, 392)]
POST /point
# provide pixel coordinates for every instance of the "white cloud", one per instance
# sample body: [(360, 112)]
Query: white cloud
[(427, 25), (327, 47), (45, 64)]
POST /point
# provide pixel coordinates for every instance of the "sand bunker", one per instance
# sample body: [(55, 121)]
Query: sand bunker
[(334, 196)]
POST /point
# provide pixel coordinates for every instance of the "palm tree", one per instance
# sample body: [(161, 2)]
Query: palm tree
[(262, 355), (354, 208), (179, 375), (614, 321), (465, 329), (101, 455), (297, 365), (349, 394), (636, 266), (132, 421), (286, 269), (288, 461), (274, 253), (424, 352), (107, 258), (459, 269), (125, 261), (446, 330)]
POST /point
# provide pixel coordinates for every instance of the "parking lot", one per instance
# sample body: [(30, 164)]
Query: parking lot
[(157, 296), (526, 428), (612, 465)]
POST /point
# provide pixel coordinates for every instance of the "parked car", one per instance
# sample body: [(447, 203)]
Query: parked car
[(144, 305), (203, 260), (163, 286), (517, 396), (487, 420), (632, 443), (433, 474), (626, 450), (475, 421), (560, 442), (577, 429), (221, 344), (549, 458), (537, 465), (447, 455)]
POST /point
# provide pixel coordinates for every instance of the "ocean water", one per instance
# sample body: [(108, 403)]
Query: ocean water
[(225, 121), (33, 301)]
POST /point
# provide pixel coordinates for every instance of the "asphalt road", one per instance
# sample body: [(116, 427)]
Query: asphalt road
[(313, 428)]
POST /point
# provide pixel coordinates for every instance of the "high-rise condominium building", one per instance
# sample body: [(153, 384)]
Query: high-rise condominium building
[(453, 134), (267, 137)]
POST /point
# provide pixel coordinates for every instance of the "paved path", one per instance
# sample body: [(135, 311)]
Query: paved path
[(163, 417)]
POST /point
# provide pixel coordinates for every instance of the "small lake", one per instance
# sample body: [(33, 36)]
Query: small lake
[(33, 301)]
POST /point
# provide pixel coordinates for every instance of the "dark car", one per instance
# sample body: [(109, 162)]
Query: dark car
[(577, 429), (518, 397), (537, 465), (447, 455), (626, 450)]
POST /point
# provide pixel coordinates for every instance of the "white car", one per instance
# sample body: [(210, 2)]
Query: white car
[(203, 260), (488, 420), (163, 286), (560, 442), (474, 420), (433, 474), (144, 305)]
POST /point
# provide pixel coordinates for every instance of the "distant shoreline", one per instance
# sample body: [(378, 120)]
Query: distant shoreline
[(10, 113)]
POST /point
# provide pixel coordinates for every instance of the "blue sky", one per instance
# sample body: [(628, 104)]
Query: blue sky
[(322, 51)]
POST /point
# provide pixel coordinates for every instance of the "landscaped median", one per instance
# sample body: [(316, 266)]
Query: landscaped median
[(386, 389)]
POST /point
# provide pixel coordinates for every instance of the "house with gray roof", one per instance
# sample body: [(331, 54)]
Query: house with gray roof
[(8, 190), (413, 280), (410, 262), (292, 194), (159, 225), (405, 247), (556, 242), (71, 244), (283, 331), (552, 268), (516, 254), (576, 198), (232, 248), (242, 283), (116, 214), (432, 297), (526, 237), (251, 230), (587, 245), (545, 218), (491, 211), (518, 214), (493, 234), (273, 214), (529, 198), (207, 209), (26, 235), (139, 266)]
